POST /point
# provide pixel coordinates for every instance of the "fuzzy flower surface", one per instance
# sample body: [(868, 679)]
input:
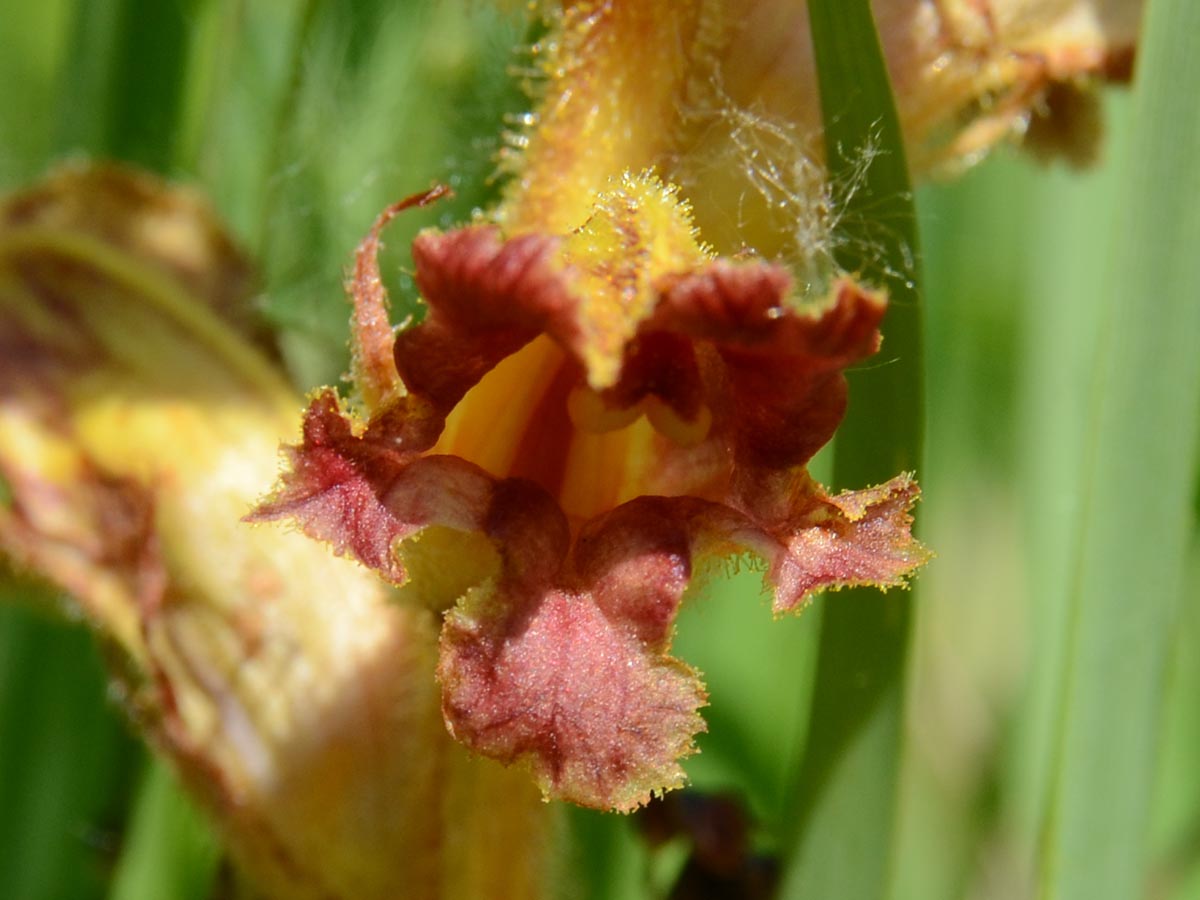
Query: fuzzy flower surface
[(622, 374), (625, 368), (592, 410), (607, 410)]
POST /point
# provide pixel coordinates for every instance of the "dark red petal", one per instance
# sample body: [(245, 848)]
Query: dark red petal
[(363, 494), (747, 305), (726, 335), (486, 297), (783, 366), (664, 365)]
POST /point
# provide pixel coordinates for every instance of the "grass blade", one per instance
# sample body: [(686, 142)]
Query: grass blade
[(1138, 478), (66, 758), (169, 850), (124, 79), (846, 789)]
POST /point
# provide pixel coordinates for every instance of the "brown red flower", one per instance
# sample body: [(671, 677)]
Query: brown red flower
[(577, 425)]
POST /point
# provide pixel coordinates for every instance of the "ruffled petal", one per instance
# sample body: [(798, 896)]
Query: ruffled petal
[(487, 298), (572, 676), (555, 647), (363, 493), (574, 679), (552, 682), (823, 542), (782, 366)]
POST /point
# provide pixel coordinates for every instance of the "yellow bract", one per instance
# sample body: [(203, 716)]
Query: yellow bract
[(638, 231)]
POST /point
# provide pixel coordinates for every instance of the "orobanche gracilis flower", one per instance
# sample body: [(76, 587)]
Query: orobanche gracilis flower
[(623, 372), (598, 404), (594, 406)]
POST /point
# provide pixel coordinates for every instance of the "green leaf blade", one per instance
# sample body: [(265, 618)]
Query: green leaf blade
[(169, 850), (846, 790), (1139, 473)]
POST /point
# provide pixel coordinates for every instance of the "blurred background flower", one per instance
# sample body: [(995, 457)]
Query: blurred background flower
[(139, 420)]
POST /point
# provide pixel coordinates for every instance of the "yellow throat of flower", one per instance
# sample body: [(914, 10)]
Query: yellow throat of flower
[(541, 414)]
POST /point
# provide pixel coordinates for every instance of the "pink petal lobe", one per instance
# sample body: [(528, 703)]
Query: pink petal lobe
[(570, 693), (853, 539), (575, 681), (363, 494)]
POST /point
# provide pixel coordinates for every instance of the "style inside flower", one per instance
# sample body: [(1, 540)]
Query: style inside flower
[(609, 408)]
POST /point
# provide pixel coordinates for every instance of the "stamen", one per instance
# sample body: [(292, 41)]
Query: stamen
[(669, 423), (589, 413)]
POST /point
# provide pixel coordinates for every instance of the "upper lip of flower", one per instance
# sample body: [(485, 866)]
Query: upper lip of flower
[(556, 651)]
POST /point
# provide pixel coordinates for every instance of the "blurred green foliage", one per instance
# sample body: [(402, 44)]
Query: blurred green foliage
[(1057, 305)]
